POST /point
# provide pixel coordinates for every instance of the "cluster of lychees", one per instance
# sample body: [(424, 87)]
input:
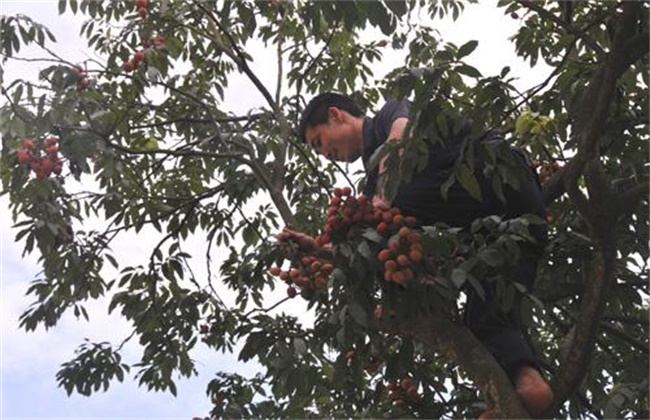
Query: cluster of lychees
[(546, 169), (403, 254), (155, 42), (141, 7), (308, 272), (83, 81), (344, 211), (133, 64), (403, 391), (372, 366), (400, 260), (43, 158), (404, 251)]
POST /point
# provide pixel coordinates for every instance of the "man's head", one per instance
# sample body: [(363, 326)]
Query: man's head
[(332, 124)]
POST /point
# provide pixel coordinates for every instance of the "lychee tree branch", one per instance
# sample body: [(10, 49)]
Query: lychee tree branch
[(460, 346), (590, 124), (567, 26)]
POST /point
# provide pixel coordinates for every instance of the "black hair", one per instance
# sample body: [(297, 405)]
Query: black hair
[(316, 110)]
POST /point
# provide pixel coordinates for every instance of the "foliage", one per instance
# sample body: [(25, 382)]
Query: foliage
[(148, 145)]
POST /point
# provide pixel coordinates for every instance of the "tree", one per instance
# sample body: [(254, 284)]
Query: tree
[(148, 129)]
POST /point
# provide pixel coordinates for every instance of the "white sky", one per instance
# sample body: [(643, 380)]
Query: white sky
[(29, 362)]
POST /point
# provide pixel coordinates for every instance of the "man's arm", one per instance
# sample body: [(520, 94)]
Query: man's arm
[(396, 133), (306, 243)]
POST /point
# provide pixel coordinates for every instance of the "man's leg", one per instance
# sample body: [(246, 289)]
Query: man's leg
[(502, 334), (535, 393)]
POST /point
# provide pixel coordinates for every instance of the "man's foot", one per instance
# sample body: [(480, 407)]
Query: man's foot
[(536, 395)]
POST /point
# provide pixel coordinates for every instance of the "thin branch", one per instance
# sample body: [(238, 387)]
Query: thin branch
[(34, 60), (310, 66), (191, 153), (208, 259), (629, 199), (169, 235), (249, 223), (568, 27), (238, 57), (625, 337), (278, 89), (200, 121), (269, 309), (534, 90), (627, 320)]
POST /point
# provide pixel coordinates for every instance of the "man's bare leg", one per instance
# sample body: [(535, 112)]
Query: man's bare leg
[(535, 393)]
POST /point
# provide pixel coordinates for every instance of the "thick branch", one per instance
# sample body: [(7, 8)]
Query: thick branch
[(575, 362), (592, 118), (635, 48), (591, 121), (238, 57), (459, 345), (590, 124)]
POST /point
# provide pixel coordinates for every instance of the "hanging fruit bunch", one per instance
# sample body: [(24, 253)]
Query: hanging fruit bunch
[(399, 257), (344, 212), (41, 156), (308, 272)]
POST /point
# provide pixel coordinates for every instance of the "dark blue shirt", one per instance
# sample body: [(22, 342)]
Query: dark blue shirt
[(421, 197), (375, 133)]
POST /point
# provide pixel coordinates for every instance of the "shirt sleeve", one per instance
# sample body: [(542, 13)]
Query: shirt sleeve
[(381, 125), (392, 110)]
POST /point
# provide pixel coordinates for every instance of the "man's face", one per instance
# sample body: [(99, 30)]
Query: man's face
[(336, 139)]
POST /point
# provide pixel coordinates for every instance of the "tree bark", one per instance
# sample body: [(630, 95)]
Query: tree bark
[(460, 346), (598, 210)]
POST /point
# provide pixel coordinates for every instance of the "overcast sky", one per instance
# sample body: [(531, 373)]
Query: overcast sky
[(29, 361)]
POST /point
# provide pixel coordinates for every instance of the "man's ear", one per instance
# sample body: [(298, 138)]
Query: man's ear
[(334, 114)]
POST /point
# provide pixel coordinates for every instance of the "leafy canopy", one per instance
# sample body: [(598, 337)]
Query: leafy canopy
[(141, 139)]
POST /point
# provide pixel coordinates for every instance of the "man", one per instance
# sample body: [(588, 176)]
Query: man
[(335, 127)]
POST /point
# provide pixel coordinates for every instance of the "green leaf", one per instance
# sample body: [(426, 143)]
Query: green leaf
[(476, 285), (468, 180), (365, 251), (458, 277), (467, 48), (397, 6), (524, 124), (299, 345), (490, 256), (249, 234), (372, 235), (468, 70), (358, 314)]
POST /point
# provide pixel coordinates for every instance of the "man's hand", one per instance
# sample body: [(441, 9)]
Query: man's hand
[(304, 241), (380, 202)]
